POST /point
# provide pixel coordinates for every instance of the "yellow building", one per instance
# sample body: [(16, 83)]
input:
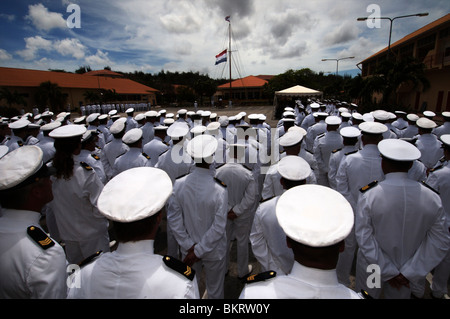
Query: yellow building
[(430, 45)]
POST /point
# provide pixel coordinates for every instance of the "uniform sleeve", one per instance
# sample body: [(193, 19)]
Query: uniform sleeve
[(332, 170), (258, 242), (342, 183), (431, 251), (248, 200), (47, 275), (92, 189), (217, 230), (367, 242)]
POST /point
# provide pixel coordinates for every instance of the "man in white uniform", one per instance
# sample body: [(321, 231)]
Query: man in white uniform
[(428, 143), (242, 197), (32, 265), (315, 230), (197, 215), (115, 147), (355, 171), (439, 179), (135, 203), (400, 226), (267, 237), (156, 146)]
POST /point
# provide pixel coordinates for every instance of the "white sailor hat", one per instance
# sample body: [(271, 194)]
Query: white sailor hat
[(161, 128), (262, 117), (92, 117), (134, 195), (223, 120), (297, 128), (346, 114), (321, 114), (198, 129), (333, 120), (426, 123), (400, 112), (162, 112), (350, 131), (287, 108), (19, 165), (429, 114), (151, 114), (343, 109), (182, 111), (446, 114), (291, 138), (412, 117), (213, 126), (293, 168), (170, 115), (357, 116), (213, 115), (3, 150), (202, 146), (307, 218), (68, 131), (285, 114), (129, 110), (206, 113), (132, 136), (139, 117), (19, 124), (50, 126), (33, 126), (314, 105), (380, 115), (232, 118), (368, 117), (372, 127), (118, 126), (254, 116), (168, 121), (445, 138), (79, 119), (112, 112), (178, 130), (88, 135), (398, 150)]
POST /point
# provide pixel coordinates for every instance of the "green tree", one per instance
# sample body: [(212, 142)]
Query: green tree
[(12, 98), (50, 94)]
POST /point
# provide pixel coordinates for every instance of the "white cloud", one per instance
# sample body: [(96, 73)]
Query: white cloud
[(72, 47), (43, 19), (33, 45), (346, 32), (98, 60), (4, 55)]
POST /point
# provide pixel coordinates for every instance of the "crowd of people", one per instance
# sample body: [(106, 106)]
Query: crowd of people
[(324, 189)]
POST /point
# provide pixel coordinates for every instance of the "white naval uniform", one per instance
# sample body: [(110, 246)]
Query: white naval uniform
[(133, 158), (334, 161), (410, 131), (14, 142), (269, 240), (197, 214), (133, 271), (26, 269), (154, 148), (81, 226), (355, 171), (46, 144), (399, 226), (430, 147), (442, 129), (302, 283), (242, 198), (323, 146), (439, 179), (313, 132), (110, 152), (148, 132), (94, 161)]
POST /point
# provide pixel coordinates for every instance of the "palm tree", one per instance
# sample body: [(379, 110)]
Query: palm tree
[(49, 93), (12, 98), (392, 75)]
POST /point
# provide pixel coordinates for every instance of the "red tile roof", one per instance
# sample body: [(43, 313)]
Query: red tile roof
[(249, 81), (413, 35), (33, 78)]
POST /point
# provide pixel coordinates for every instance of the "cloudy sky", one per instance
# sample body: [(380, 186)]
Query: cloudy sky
[(185, 35)]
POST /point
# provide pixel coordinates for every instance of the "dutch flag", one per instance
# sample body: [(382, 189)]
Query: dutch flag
[(221, 57)]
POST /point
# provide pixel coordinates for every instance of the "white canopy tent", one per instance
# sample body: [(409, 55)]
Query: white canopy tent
[(295, 91)]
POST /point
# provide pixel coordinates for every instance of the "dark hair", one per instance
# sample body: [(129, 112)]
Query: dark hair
[(135, 231), (63, 159)]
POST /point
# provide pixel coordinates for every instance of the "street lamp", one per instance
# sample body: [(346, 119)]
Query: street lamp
[(337, 62), (424, 14)]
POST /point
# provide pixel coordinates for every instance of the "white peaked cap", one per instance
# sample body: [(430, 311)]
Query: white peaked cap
[(293, 168), (314, 215), (202, 146), (398, 150), (135, 194)]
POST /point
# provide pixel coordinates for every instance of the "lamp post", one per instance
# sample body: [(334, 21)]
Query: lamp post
[(337, 62), (424, 14)]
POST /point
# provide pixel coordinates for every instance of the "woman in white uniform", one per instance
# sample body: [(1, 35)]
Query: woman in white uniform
[(76, 189)]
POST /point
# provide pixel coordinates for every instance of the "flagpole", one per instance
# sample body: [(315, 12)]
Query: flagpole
[(229, 52)]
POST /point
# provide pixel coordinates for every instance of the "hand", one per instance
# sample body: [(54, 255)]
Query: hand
[(191, 258), (399, 281), (232, 215)]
